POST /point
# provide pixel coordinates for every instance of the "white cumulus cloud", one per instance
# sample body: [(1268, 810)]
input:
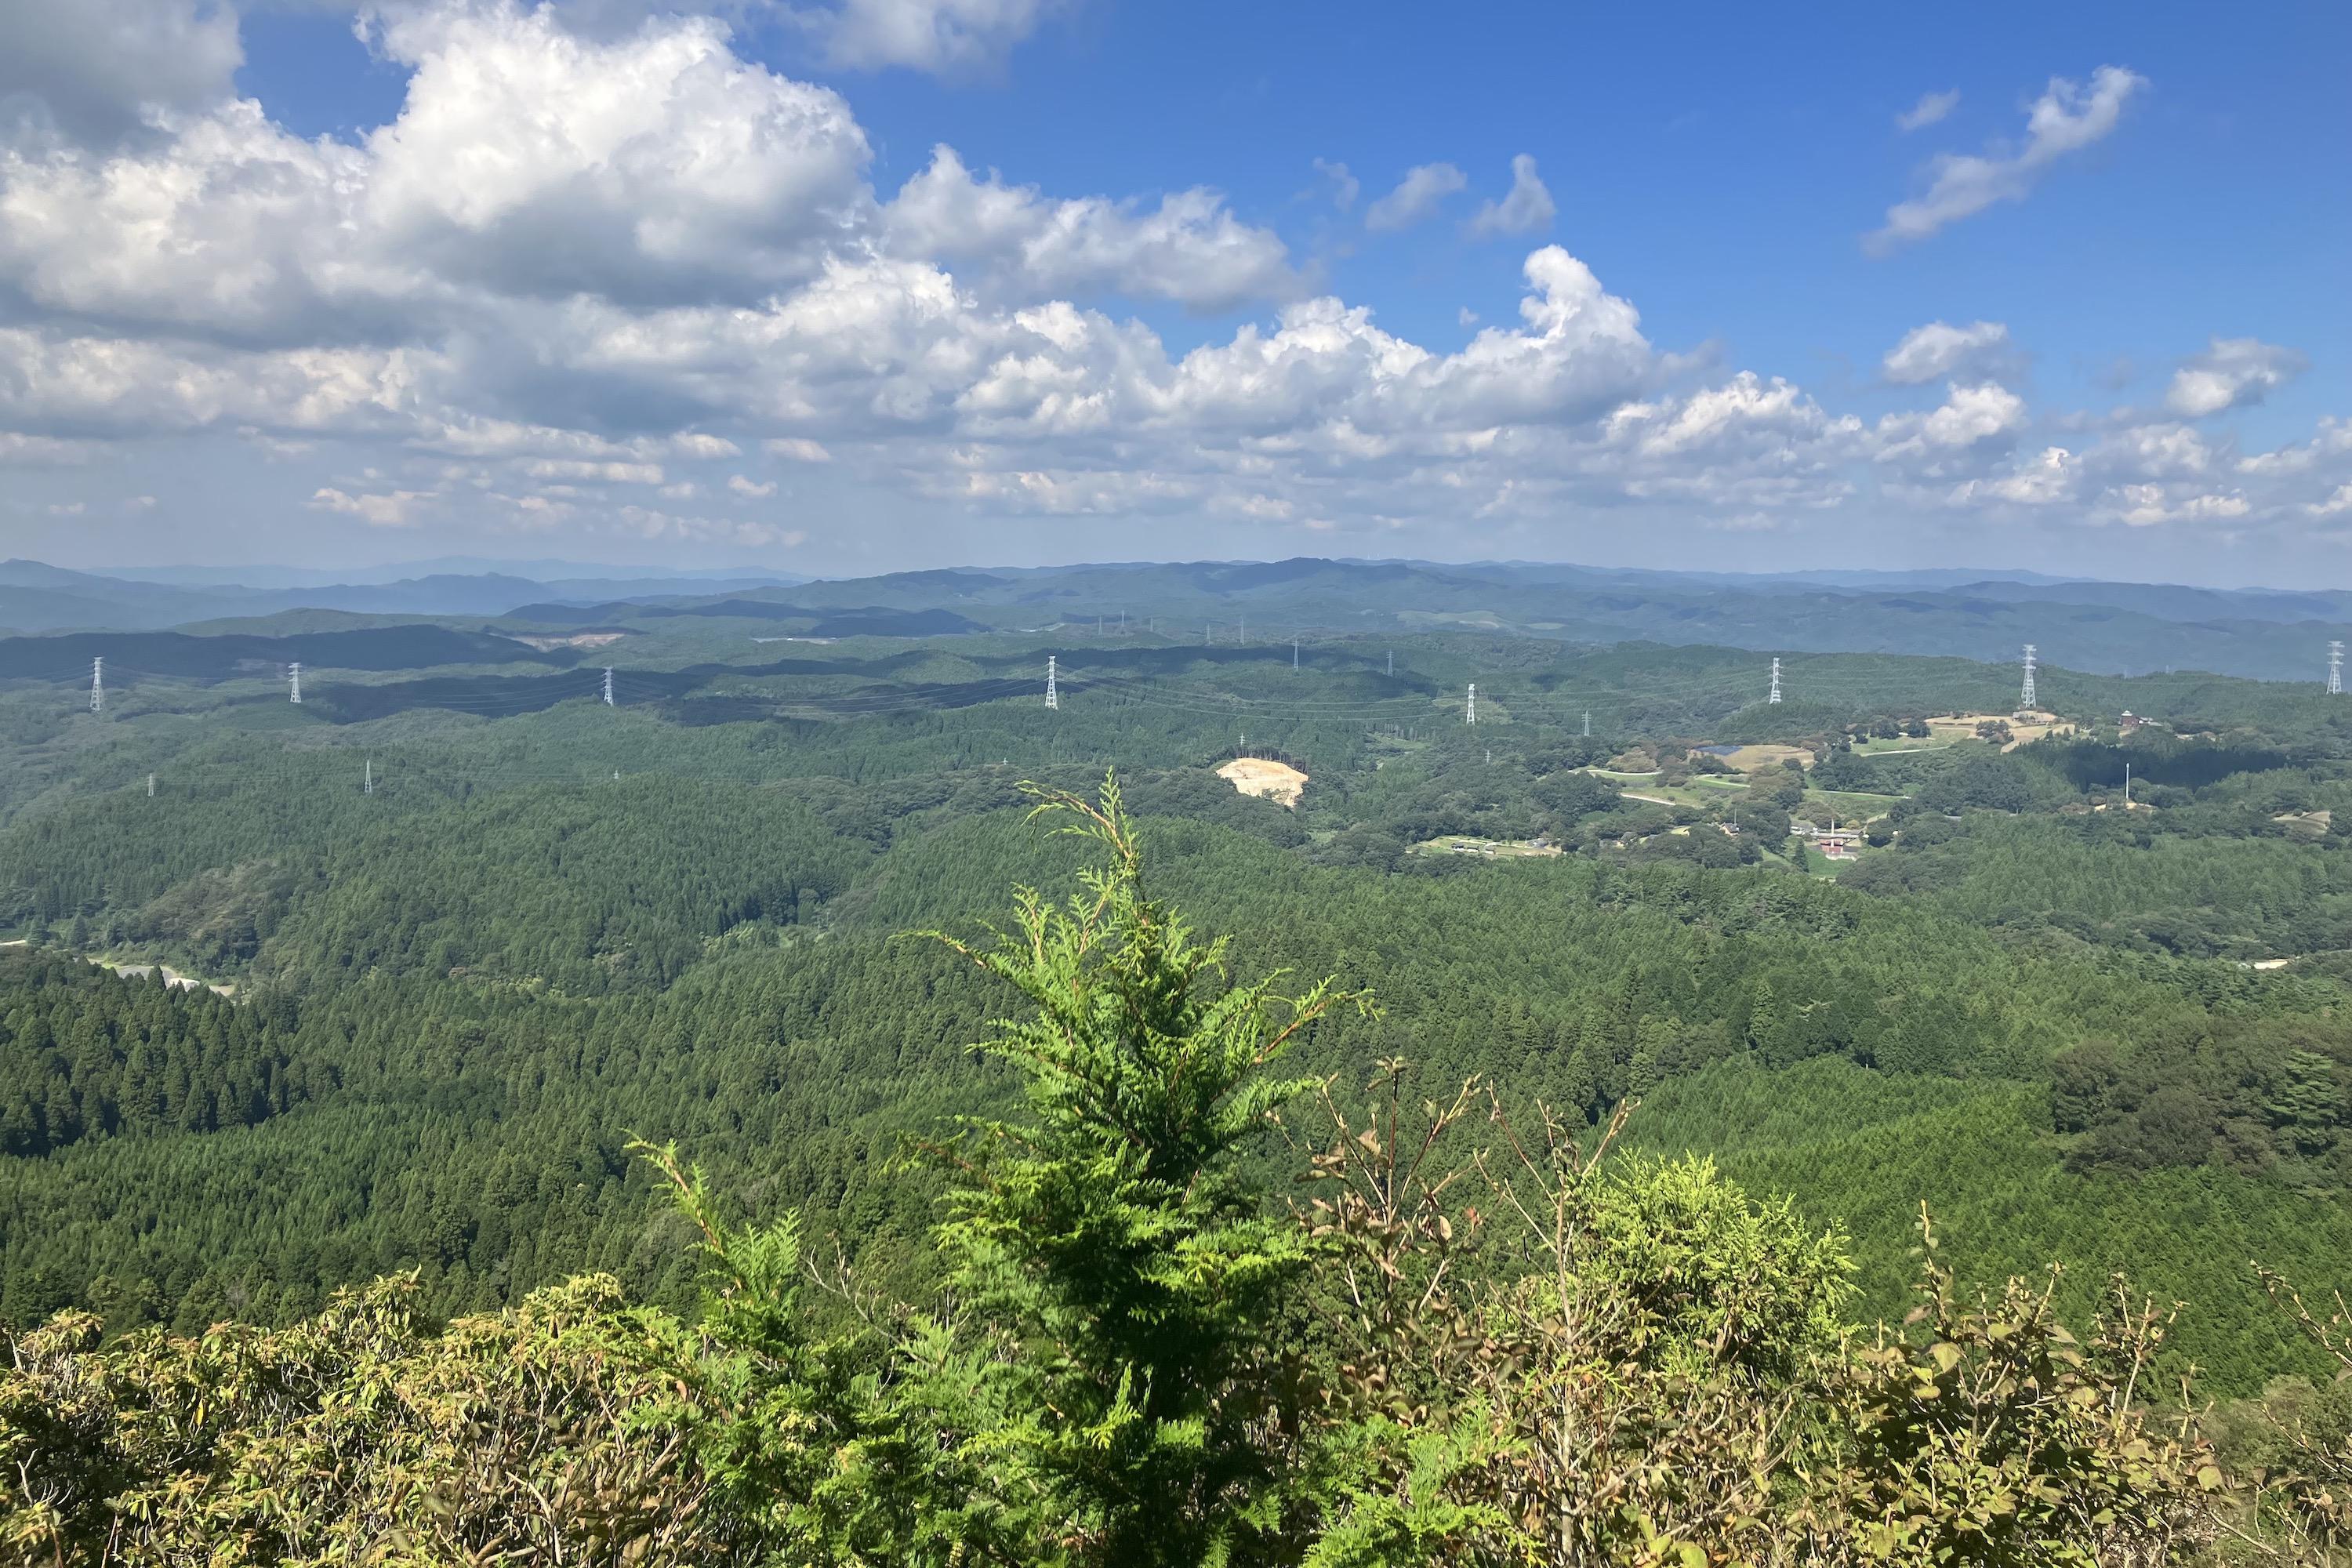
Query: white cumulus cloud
[(99, 69), (1969, 416), (2051, 476), (2231, 373), (394, 508), (1190, 247), (939, 36), (658, 165), (578, 264), (1938, 350)]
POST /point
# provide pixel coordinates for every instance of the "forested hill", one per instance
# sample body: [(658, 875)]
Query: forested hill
[(1123, 1342), (440, 1067), (1887, 942)]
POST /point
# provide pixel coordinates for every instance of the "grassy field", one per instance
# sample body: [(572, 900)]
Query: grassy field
[(1851, 803), (1747, 759), (1695, 794), (1902, 743), (1494, 848)]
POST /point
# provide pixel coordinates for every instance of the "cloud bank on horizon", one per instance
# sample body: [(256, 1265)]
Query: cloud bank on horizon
[(607, 275)]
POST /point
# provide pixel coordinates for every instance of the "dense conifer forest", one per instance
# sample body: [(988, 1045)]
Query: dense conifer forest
[(350, 1024)]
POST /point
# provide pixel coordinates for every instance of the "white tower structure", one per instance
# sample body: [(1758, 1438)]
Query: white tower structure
[(1053, 697), (608, 686), (1774, 695), (294, 675), (98, 685), (367, 780), (2334, 668), (2025, 694), (1470, 712)]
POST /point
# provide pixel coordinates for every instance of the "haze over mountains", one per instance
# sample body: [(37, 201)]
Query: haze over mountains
[(2105, 627)]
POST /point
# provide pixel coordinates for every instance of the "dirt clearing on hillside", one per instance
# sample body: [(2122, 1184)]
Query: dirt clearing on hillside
[(2022, 728), (1277, 782), (1747, 759)]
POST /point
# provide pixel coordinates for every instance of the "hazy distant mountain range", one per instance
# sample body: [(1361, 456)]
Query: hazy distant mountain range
[(2115, 628), (34, 597)]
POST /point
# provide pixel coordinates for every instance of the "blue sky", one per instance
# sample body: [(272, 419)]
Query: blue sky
[(333, 285)]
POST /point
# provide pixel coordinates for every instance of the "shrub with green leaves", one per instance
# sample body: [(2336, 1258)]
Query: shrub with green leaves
[(545, 1433)]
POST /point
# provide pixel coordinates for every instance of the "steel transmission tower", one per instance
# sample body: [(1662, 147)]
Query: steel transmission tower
[(608, 686), (294, 675), (2334, 668), (1053, 697), (98, 685), (367, 780), (2025, 693), (1588, 723), (1470, 713), (1774, 695)]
